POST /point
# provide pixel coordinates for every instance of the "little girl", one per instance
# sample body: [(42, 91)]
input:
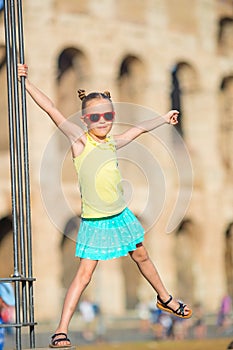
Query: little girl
[(108, 228)]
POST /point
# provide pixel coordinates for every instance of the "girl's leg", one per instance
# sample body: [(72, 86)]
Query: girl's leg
[(78, 285), (149, 271)]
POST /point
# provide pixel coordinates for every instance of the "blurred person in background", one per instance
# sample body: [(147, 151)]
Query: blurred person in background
[(224, 321), (7, 309)]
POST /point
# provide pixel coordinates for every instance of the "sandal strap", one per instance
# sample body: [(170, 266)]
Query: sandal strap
[(180, 310), (166, 302), (57, 334)]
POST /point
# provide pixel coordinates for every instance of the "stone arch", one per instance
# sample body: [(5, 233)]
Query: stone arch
[(68, 243), (225, 34), (72, 69), (185, 248), (131, 79), (3, 101), (226, 122), (229, 259), (6, 246), (184, 83)]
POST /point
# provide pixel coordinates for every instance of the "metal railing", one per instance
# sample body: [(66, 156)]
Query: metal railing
[(22, 277)]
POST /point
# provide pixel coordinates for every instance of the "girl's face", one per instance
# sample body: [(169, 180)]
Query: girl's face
[(98, 117)]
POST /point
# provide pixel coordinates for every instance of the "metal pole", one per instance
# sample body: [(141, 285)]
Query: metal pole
[(19, 158), (13, 171), (27, 177), (20, 181)]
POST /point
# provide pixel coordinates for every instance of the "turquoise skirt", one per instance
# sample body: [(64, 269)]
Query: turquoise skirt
[(110, 237)]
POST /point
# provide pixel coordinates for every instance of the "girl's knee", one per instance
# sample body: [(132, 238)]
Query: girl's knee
[(140, 254), (85, 277), (84, 274)]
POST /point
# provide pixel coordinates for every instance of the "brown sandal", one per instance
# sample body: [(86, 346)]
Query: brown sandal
[(180, 312)]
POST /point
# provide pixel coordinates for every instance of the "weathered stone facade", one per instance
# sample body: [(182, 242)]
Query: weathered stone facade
[(140, 51)]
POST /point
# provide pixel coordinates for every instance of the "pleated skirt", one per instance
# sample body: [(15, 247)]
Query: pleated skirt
[(110, 237)]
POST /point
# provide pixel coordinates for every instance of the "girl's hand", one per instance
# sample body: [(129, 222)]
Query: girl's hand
[(171, 117), (22, 70)]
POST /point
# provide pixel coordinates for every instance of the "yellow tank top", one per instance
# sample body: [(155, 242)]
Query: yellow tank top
[(99, 179)]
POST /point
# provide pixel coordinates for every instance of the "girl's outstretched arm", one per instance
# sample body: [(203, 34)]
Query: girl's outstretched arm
[(145, 126), (71, 130)]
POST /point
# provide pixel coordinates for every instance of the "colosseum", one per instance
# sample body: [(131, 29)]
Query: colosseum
[(153, 55)]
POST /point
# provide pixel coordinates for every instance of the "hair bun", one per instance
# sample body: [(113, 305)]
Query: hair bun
[(81, 94), (107, 93)]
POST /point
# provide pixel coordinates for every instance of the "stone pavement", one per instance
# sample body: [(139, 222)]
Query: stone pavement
[(114, 330)]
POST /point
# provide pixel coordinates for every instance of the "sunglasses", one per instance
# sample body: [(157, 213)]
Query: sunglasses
[(95, 117)]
